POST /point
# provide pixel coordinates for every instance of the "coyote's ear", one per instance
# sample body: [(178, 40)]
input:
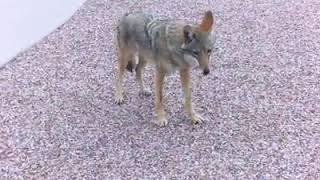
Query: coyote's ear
[(187, 34), (207, 22)]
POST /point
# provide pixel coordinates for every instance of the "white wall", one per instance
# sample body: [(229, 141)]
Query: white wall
[(23, 22)]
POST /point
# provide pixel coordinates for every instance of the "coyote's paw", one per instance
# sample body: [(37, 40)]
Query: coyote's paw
[(196, 119), (119, 99), (162, 122), (145, 92)]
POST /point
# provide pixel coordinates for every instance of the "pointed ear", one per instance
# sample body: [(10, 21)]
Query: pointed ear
[(187, 34), (207, 22)]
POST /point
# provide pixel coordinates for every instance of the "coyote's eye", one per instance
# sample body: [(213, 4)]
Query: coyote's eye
[(209, 51)]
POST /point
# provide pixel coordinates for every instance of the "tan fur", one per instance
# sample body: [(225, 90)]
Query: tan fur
[(207, 22)]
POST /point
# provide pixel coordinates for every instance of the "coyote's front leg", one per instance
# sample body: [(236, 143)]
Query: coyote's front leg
[(185, 81), (161, 115)]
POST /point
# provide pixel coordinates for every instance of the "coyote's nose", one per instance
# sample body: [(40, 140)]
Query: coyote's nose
[(206, 71)]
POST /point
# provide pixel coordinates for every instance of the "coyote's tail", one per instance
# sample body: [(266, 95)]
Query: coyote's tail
[(122, 44)]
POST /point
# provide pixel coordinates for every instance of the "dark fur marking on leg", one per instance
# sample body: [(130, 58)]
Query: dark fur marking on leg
[(130, 66)]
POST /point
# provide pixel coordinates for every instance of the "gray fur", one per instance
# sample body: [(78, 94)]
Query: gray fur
[(161, 40), (171, 45)]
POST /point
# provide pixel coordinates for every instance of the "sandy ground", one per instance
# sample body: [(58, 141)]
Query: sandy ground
[(261, 101)]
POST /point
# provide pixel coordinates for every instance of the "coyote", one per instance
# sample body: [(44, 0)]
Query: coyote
[(171, 46)]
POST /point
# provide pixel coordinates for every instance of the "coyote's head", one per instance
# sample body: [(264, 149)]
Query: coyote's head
[(198, 44)]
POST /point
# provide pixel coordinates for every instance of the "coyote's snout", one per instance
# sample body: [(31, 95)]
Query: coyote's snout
[(170, 45)]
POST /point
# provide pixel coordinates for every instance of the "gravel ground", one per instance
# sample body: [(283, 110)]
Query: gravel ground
[(261, 101)]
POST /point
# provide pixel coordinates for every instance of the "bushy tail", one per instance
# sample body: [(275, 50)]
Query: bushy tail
[(122, 45)]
